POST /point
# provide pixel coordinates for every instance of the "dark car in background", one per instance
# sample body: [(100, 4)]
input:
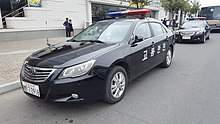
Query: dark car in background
[(193, 31), (99, 62)]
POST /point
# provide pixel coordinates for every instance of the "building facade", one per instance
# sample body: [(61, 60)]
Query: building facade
[(52, 13)]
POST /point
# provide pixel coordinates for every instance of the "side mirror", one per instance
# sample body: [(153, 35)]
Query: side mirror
[(206, 27), (138, 39), (181, 27), (68, 40)]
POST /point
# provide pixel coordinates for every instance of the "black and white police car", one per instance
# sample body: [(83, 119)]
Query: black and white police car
[(99, 62), (194, 30)]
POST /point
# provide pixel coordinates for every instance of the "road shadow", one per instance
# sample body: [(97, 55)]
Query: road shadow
[(189, 42), (215, 31)]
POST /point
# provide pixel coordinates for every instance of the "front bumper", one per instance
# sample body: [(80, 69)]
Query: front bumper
[(179, 38), (86, 88)]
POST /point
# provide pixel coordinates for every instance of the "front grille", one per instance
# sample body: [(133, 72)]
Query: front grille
[(187, 33), (36, 74), (212, 24)]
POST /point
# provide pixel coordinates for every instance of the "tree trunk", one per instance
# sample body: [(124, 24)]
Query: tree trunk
[(172, 20), (181, 17)]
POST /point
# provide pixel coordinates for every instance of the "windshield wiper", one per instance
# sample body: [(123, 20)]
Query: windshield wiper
[(72, 40), (92, 41)]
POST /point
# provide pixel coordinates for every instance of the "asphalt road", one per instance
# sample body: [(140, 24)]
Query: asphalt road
[(186, 93)]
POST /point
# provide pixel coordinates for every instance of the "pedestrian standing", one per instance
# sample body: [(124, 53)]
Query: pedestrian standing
[(174, 24), (71, 28), (165, 22), (67, 26)]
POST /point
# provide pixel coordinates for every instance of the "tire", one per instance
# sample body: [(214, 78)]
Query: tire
[(115, 85), (208, 37), (203, 40), (168, 59), (177, 41)]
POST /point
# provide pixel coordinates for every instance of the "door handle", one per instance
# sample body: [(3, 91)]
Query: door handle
[(167, 38), (153, 44)]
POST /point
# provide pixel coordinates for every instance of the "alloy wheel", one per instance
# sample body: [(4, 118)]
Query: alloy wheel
[(118, 85), (169, 57)]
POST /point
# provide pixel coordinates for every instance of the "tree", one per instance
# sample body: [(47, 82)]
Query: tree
[(185, 9), (173, 6), (140, 3), (195, 8)]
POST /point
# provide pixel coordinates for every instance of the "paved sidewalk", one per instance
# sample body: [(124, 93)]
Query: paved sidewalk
[(13, 53)]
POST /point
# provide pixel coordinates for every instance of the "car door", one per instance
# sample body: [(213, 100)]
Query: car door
[(141, 50), (160, 43)]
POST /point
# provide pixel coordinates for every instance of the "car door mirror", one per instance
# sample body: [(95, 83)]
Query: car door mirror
[(68, 40), (138, 39), (206, 27), (181, 27)]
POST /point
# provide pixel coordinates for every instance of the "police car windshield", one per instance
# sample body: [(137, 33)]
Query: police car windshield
[(193, 24), (106, 32)]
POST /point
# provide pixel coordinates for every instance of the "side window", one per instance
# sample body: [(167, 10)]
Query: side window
[(143, 30), (157, 28), (164, 30)]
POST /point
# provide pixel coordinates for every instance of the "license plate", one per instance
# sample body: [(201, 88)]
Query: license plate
[(186, 37), (31, 88)]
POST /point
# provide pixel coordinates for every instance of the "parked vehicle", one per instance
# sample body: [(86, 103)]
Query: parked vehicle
[(195, 30), (99, 62), (212, 16)]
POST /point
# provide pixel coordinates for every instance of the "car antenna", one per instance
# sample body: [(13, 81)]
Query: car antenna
[(48, 44)]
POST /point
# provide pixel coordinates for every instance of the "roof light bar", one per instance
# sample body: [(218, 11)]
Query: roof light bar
[(130, 12), (139, 12)]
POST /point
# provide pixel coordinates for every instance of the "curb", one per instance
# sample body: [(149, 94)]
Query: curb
[(9, 87)]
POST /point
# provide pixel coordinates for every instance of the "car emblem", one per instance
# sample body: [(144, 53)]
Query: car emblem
[(32, 70)]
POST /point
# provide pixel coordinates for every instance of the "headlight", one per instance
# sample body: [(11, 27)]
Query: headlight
[(77, 70), (199, 32)]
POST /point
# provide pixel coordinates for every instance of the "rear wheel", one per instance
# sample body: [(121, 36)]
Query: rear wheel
[(115, 85), (168, 59)]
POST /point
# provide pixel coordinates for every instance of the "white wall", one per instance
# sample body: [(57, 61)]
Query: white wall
[(52, 11), (163, 14), (1, 26)]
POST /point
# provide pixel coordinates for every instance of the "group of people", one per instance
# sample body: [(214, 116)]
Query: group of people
[(69, 27), (174, 22)]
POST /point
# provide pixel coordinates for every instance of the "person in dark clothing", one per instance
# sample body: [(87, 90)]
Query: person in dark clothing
[(164, 22), (71, 28), (174, 24), (67, 26)]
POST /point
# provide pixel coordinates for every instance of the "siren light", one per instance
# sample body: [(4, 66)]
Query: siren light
[(129, 12)]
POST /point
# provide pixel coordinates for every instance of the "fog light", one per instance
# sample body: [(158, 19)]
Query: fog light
[(75, 96)]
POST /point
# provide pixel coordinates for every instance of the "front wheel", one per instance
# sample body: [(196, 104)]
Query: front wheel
[(168, 59), (208, 37), (204, 39), (115, 85)]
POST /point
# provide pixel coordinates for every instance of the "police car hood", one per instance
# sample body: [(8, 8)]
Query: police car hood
[(191, 30), (68, 54)]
